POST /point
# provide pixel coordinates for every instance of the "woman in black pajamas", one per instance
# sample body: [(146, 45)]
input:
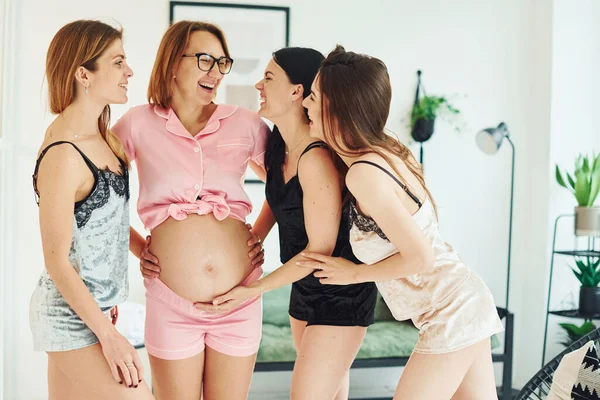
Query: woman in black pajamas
[(305, 196)]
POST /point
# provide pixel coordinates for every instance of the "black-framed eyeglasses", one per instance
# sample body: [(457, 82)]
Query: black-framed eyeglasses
[(206, 62)]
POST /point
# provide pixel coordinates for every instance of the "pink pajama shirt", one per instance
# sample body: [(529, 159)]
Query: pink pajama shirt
[(180, 174)]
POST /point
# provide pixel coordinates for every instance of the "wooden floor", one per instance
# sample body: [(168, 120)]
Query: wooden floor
[(515, 392)]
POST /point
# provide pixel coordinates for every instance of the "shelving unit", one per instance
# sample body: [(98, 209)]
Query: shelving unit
[(591, 251)]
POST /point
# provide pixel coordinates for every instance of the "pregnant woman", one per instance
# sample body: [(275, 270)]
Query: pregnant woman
[(191, 155)]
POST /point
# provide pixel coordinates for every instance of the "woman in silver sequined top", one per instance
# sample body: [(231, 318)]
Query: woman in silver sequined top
[(81, 179)]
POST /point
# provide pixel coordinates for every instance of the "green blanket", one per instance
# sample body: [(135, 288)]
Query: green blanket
[(385, 338)]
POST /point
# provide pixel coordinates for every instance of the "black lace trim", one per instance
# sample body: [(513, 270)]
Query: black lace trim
[(120, 183), (363, 223), (101, 194)]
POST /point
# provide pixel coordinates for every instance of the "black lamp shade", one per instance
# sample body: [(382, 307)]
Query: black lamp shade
[(490, 139)]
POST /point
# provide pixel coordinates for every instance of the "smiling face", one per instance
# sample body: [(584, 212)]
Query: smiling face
[(315, 113), (108, 82), (191, 83), (277, 93)]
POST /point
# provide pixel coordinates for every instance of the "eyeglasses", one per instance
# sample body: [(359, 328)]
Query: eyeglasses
[(206, 62)]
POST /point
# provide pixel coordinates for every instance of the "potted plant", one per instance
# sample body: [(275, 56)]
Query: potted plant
[(424, 114), (575, 332), (588, 273), (585, 186)]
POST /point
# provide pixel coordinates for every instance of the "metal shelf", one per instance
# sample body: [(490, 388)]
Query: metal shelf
[(578, 253), (574, 314), (591, 251)]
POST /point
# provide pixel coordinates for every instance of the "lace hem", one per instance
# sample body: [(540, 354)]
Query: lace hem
[(363, 223)]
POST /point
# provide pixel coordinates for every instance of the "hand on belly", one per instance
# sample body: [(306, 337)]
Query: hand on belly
[(230, 300), (201, 258), (204, 282)]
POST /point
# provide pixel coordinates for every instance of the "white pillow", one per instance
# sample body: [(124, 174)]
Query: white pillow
[(567, 373)]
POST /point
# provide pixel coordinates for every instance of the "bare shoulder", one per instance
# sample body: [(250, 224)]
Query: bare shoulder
[(361, 175), (364, 178), (316, 161), (56, 132), (317, 154), (60, 161)]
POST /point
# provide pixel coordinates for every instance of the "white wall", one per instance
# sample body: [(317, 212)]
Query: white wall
[(497, 58), (574, 130), (25, 371), (3, 26)]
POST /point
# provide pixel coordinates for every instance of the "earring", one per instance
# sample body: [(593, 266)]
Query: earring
[(86, 90)]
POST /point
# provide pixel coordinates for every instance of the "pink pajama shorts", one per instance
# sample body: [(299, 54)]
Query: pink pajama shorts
[(176, 330)]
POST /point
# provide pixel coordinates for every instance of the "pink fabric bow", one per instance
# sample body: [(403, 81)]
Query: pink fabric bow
[(207, 204)]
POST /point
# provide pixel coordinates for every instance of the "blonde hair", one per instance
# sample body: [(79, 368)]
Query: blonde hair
[(80, 43)]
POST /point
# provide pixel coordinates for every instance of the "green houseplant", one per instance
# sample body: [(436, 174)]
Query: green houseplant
[(587, 271), (575, 332), (585, 186), (424, 113)]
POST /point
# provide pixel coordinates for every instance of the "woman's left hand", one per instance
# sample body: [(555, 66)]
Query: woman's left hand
[(229, 301), (331, 270)]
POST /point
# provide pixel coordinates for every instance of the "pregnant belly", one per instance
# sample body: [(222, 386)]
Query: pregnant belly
[(200, 257)]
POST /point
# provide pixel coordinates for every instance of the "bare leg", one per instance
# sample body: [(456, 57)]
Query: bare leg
[(227, 377), (344, 391), (298, 328), (297, 331), (479, 382), (85, 372), (438, 376), (324, 359), (177, 379), (58, 383)]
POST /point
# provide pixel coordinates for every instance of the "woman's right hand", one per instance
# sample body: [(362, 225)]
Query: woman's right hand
[(148, 262), (257, 251), (123, 360)]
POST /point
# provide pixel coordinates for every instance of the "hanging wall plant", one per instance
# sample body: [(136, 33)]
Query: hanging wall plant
[(424, 113)]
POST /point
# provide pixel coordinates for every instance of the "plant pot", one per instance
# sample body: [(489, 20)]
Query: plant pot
[(589, 300), (423, 129), (587, 221)]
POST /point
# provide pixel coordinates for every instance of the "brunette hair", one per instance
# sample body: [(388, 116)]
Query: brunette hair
[(301, 66), (355, 100), (80, 44)]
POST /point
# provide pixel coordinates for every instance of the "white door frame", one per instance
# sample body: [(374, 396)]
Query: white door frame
[(8, 146)]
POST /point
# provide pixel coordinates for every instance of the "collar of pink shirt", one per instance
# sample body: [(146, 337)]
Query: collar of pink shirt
[(175, 126)]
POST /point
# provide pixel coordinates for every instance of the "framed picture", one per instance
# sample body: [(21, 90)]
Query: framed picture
[(253, 33)]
